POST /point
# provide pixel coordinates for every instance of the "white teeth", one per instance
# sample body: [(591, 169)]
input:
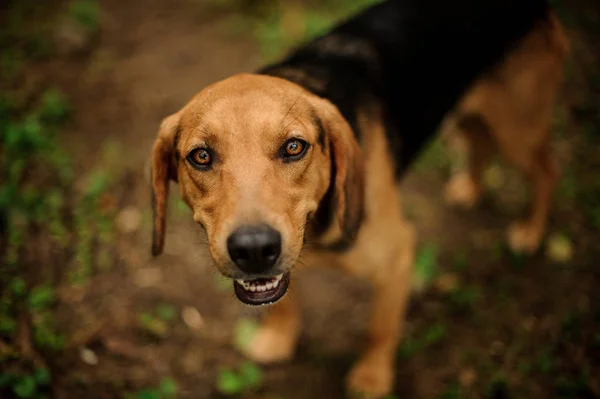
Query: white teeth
[(263, 286)]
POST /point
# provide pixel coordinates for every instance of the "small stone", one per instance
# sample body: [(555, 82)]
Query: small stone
[(559, 248), (129, 220), (192, 318), (467, 377), (88, 356)]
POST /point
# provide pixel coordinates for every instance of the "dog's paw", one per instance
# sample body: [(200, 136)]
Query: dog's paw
[(462, 191), (524, 238), (270, 345), (370, 380)]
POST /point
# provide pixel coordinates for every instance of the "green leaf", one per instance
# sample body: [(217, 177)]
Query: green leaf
[(41, 297), (42, 376), (17, 286), (166, 312), (244, 332), (409, 347), (315, 25), (149, 394), (251, 373), (7, 324), (54, 106), (426, 265), (153, 325), (86, 13), (228, 383), (98, 182), (25, 387), (168, 387), (435, 334), (5, 379)]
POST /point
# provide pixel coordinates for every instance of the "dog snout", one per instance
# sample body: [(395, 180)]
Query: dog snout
[(254, 249)]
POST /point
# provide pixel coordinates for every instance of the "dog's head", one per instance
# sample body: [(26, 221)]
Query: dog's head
[(259, 160)]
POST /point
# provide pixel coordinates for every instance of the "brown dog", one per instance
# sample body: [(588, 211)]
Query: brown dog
[(305, 156)]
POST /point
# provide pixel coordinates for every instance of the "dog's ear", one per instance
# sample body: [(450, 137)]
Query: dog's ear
[(164, 169), (342, 208)]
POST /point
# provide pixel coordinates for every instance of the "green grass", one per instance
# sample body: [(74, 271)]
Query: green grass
[(426, 267), (464, 299), (434, 158), (38, 203), (245, 378), (167, 389), (431, 337), (452, 392), (86, 13), (32, 385), (244, 332), (158, 322), (272, 28)]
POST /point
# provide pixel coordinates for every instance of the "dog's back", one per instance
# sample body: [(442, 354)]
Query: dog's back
[(415, 57)]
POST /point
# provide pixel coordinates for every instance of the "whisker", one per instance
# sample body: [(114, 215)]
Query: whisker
[(290, 110), (297, 117)]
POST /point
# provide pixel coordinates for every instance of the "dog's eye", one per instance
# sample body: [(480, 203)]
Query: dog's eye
[(200, 157), (294, 149)]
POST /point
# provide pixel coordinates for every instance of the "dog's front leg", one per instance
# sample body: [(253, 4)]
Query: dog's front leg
[(278, 333), (373, 375)]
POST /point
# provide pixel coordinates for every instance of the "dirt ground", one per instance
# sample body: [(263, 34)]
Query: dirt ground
[(488, 325)]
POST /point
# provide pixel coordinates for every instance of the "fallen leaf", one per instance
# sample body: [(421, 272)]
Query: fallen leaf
[(88, 356), (559, 248), (192, 318), (129, 220)]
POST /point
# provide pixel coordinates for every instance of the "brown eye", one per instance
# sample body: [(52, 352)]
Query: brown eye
[(200, 157), (294, 147)]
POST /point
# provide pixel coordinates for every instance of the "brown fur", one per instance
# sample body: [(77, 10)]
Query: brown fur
[(247, 117), (510, 110)]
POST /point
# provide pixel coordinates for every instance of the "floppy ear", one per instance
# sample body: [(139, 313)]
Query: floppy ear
[(164, 169), (342, 209)]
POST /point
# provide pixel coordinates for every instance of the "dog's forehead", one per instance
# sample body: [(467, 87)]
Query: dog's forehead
[(247, 102), (247, 89)]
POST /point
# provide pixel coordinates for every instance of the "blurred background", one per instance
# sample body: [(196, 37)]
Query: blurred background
[(85, 312)]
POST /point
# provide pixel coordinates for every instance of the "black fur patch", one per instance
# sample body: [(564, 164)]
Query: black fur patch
[(325, 214), (414, 57), (321, 136), (176, 144)]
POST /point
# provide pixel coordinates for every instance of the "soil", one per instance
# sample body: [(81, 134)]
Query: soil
[(516, 327)]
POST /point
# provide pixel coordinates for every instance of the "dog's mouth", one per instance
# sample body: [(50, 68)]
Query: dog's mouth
[(262, 291)]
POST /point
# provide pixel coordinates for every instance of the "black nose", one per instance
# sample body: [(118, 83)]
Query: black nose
[(254, 249)]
